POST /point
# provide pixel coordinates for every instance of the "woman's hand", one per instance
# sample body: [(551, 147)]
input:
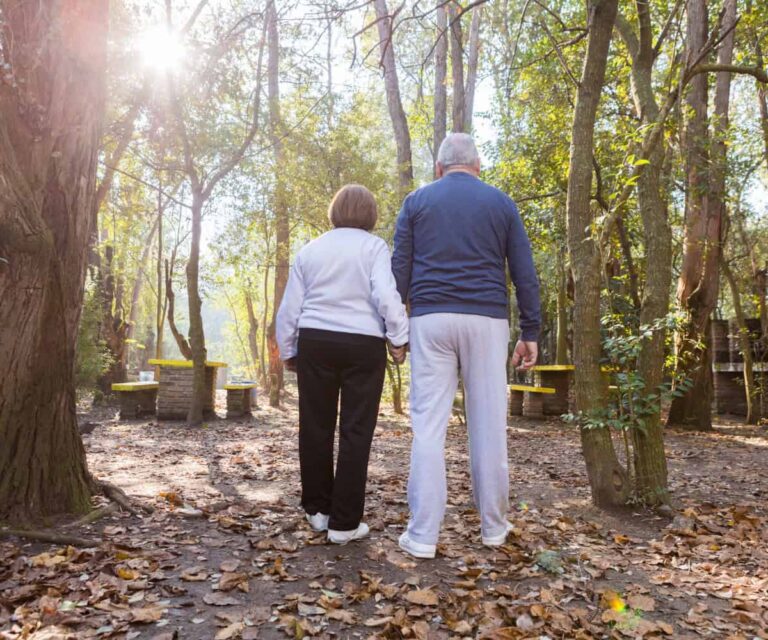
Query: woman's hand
[(397, 353), (290, 364)]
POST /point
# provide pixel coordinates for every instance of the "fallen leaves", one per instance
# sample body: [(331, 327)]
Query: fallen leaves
[(219, 599), (566, 570), (424, 597)]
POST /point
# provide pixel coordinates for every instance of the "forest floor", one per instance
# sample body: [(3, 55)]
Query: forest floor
[(226, 552)]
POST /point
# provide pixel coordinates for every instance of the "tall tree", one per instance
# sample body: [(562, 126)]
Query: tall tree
[(473, 60), (394, 100), (441, 90), (698, 285), (607, 477), (279, 205), (650, 460), (457, 65), (202, 181), (51, 113)]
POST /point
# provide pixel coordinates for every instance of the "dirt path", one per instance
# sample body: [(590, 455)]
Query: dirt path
[(227, 554)]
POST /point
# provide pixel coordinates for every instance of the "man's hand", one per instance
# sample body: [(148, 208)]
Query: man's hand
[(397, 353), (525, 354), (290, 364)]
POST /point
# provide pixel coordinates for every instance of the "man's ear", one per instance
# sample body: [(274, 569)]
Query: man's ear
[(477, 166), (438, 170)]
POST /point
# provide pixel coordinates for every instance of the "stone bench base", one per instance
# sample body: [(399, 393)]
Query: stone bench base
[(528, 401), (137, 399), (239, 399)]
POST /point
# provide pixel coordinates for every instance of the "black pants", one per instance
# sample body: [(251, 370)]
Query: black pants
[(328, 364)]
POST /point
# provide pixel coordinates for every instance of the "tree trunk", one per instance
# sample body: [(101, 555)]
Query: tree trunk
[(697, 287), (396, 383), (441, 93), (282, 223), (394, 102), (648, 443), (49, 140), (181, 341), (472, 64), (114, 328), (253, 333), (160, 300), (607, 478), (138, 281), (744, 344), (196, 331), (561, 351), (457, 66)]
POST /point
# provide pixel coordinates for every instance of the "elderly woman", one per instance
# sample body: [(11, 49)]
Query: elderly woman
[(340, 306)]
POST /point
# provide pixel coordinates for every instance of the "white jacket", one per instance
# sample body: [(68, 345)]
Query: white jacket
[(342, 281)]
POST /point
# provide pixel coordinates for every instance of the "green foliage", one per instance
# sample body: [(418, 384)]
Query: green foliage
[(93, 357), (631, 403)]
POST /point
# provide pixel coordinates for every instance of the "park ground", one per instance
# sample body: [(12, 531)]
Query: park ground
[(225, 552)]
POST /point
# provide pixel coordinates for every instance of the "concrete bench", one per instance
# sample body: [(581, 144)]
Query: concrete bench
[(239, 396), (528, 400), (136, 398)]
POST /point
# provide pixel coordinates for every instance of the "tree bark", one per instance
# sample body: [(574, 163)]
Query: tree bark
[(253, 333), (282, 222), (457, 66), (472, 64), (114, 328), (199, 353), (561, 350), (697, 287), (650, 461), (50, 128), (394, 102), (607, 478), (750, 391), (441, 91), (181, 341)]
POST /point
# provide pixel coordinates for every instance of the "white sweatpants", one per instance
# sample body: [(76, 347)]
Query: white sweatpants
[(440, 344)]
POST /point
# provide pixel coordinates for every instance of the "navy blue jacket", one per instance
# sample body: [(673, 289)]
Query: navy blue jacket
[(454, 239)]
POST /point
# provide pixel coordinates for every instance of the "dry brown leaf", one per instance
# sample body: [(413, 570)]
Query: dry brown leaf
[(229, 566), (420, 630), (342, 615), (423, 597), (230, 631), (644, 603), (462, 627), (377, 622), (219, 599), (194, 574), (229, 581), (146, 615)]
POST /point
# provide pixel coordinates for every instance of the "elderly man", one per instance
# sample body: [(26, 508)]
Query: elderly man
[(453, 241)]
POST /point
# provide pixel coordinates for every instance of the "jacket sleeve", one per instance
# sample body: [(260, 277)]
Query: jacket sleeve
[(287, 325), (524, 277), (402, 258), (386, 297)]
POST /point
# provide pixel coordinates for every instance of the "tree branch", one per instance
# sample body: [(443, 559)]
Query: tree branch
[(759, 74)]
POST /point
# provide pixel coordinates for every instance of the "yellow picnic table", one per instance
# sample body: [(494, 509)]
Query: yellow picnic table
[(557, 376), (175, 393)]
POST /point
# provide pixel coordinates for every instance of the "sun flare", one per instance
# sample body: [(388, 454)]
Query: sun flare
[(160, 49)]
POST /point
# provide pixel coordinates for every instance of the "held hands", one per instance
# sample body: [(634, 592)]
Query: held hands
[(397, 353), (525, 354), (290, 364)]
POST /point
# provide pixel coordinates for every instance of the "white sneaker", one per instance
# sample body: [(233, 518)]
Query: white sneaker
[(318, 521), (497, 541), (416, 549), (342, 537)]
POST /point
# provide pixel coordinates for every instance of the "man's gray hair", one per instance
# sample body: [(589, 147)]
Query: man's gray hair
[(457, 149)]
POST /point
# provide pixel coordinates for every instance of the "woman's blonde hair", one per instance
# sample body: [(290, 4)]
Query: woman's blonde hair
[(353, 206)]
